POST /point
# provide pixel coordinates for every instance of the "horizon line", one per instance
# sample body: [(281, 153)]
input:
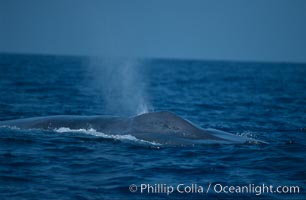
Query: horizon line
[(155, 58)]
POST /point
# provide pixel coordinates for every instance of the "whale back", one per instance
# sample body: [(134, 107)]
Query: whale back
[(161, 127), (164, 122)]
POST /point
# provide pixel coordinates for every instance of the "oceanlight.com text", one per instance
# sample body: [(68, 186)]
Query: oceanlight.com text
[(216, 188)]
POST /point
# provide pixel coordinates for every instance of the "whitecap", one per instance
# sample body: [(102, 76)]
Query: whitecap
[(91, 131)]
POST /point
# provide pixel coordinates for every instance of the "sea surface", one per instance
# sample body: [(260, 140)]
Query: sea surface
[(265, 101)]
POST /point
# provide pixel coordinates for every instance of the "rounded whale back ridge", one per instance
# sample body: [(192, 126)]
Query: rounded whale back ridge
[(161, 127)]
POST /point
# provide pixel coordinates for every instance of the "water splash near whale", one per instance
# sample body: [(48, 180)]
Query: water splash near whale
[(93, 132)]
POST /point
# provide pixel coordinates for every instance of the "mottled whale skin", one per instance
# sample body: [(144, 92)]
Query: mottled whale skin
[(159, 127)]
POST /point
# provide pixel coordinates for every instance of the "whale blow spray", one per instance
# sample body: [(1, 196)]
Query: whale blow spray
[(120, 84)]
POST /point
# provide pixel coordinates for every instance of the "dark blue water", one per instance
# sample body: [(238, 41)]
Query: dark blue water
[(266, 101)]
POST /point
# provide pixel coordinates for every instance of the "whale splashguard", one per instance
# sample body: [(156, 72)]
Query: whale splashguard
[(163, 128)]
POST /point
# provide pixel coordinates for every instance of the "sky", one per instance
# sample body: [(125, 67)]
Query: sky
[(261, 30)]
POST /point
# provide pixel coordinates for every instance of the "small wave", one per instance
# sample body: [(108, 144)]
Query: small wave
[(91, 131), (247, 134), (252, 137)]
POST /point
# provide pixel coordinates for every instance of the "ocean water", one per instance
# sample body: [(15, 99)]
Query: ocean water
[(266, 101)]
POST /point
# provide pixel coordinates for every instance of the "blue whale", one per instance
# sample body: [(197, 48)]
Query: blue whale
[(158, 127)]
